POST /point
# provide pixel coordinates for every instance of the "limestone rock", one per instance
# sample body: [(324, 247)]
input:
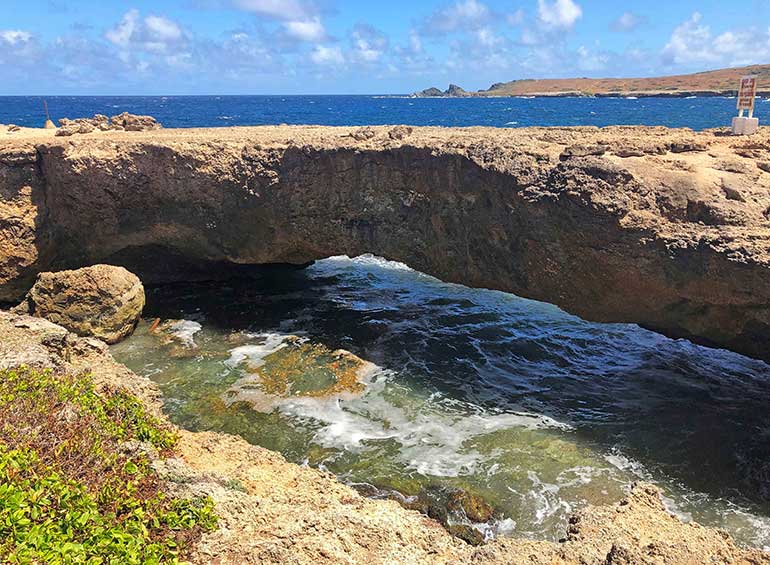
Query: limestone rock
[(100, 301), (652, 239), (363, 134), (124, 121), (71, 127), (400, 132), (132, 122)]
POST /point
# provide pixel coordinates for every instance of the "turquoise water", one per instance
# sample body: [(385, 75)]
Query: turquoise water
[(534, 410)]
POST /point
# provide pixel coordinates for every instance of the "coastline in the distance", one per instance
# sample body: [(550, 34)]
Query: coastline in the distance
[(721, 82)]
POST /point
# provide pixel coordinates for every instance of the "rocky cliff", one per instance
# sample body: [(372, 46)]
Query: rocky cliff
[(665, 228)]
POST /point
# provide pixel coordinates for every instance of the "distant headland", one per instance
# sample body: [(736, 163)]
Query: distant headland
[(721, 82)]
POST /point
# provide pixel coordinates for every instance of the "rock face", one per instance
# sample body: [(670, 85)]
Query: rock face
[(665, 228), (100, 301)]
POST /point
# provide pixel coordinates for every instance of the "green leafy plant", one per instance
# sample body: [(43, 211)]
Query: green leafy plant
[(70, 489)]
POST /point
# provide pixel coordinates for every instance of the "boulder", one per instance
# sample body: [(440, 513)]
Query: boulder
[(124, 121), (101, 301), (132, 122), (71, 127)]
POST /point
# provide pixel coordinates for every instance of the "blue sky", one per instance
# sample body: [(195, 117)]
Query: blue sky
[(341, 46)]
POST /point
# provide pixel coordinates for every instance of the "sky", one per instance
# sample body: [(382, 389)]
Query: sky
[(150, 47)]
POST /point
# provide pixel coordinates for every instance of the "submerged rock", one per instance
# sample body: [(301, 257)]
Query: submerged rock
[(291, 367), (100, 301)]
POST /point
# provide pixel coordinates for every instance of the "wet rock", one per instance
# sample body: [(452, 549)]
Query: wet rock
[(178, 335), (102, 301), (455, 508), (466, 533), (294, 367), (475, 508)]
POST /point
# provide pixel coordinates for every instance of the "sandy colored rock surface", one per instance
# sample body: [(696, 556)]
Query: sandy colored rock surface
[(101, 301), (272, 511), (666, 228)]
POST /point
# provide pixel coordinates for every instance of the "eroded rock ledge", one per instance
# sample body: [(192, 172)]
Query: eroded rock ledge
[(272, 511), (665, 228)]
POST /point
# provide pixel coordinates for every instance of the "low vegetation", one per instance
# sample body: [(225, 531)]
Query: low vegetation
[(76, 484)]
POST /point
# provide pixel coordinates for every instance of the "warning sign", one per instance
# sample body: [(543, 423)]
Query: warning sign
[(747, 93)]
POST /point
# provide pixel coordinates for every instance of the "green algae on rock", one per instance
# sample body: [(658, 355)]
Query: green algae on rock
[(297, 367)]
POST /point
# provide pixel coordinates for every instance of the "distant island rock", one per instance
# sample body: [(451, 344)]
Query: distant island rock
[(721, 82), (453, 91)]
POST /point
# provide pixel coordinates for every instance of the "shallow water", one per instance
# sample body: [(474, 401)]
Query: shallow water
[(535, 410)]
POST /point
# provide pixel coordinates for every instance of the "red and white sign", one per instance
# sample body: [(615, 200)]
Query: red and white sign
[(747, 93)]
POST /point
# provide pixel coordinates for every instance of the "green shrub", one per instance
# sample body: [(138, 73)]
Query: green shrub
[(70, 490)]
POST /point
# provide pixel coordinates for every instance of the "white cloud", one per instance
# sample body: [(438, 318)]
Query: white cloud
[(306, 30), (15, 36), (121, 33), (559, 14), (153, 33), (162, 28), (487, 38), (692, 43), (464, 14), (280, 9), (323, 55), (368, 44), (591, 61), (627, 21)]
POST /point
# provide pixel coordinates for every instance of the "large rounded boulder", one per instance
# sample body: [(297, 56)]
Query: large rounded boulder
[(101, 301)]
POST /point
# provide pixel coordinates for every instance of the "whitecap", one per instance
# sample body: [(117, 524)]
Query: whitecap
[(255, 354), (184, 331)]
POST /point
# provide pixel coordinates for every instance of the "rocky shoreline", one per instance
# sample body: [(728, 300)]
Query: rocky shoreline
[(666, 228), (272, 511)]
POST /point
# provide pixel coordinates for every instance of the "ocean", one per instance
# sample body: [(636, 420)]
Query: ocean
[(534, 410), (211, 111)]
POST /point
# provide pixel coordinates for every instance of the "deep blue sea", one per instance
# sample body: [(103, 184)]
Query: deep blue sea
[(207, 111)]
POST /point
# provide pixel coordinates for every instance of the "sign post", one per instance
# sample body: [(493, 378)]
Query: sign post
[(746, 95)]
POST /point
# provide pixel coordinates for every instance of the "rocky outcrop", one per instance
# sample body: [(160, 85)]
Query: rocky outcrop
[(100, 301), (100, 122), (453, 91), (619, 224), (274, 512)]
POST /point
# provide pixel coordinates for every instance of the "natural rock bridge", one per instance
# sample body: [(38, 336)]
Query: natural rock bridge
[(665, 228)]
